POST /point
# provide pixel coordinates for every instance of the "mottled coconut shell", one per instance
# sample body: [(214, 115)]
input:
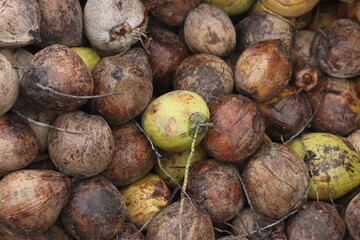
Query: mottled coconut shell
[(61, 22), (276, 179), (245, 223), (85, 151), (354, 139), (31, 200), (263, 70), (127, 230), (139, 57), (316, 221), (20, 23), (172, 13), (133, 156), (237, 131), (60, 69), (9, 85), (339, 51), (116, 74), (95, 210), (196, 224), (206, 74), (352, 217), (260, 27), (216, 187), (339, 110), (208, 29), (18, 144)]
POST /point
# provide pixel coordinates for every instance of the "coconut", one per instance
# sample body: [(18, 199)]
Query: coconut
[(9, 85), (333, 163), (171, 120), (352, 217), (276, 179), (290, 8), (88, 55), (354, 139)]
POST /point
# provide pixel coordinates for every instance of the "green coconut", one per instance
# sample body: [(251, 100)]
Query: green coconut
[(171, 120), (333, 163), (88, 55), (231, 7)]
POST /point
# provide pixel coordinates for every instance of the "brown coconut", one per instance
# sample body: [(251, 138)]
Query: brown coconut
[(133, 156), (127, 230), (277, 180), (216, 187), (263, 70), (95, 210), (9, 85), (205, 74), (352, 217), (354, 139), (316, 221), (237, 131)]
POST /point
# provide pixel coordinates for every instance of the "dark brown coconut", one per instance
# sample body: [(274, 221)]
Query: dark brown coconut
[(260, 27), (31, 200), (61, 22), (95, 210), (208, 29), (262, 70), (195, 224), (352, 217), (116, 74), (338, 51), (132, 158), (205, 74), (20, 23), (128, 230), (18, 144), (316, 221), (216, 187), (60, 69), (286, 113), (276, 179), (139, 57), (86, 149), (244, 224), (339, 110), (238, 128), (166, 51), (172, 13)]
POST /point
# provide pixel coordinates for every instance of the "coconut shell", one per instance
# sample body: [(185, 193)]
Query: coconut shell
[(195, 223), (354, 139), (139, 57), (216, 187), (293, 8), (60, 69), (277, 180), (338, 51), (20, 23), (286, 113), (352, 217), (206, 74), (86, 149), (132, 158), (263, 70), (237, 131), (95, 210), (32, 200), (339, 110), (61, 22), (166, 51), (115, 74), (18, 144), (128, 230), (316, 221), (208, 29), (244, 224)]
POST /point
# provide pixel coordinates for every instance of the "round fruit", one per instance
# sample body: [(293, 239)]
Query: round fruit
[(88, 55), (231, 7), (171, 120)]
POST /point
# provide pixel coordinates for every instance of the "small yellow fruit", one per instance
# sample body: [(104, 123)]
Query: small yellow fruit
[(170, 120), (290, 8), (174, 164), (88, 55), (231, 7), (145, 198), (333, 163)]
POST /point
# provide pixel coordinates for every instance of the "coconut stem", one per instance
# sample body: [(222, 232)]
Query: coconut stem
[(74, 96), (186, 174)]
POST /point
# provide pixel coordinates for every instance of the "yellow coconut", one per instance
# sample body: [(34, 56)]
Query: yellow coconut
[(171, 120), (88, 55), (333, 163), (231, 7), (290, 8)]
